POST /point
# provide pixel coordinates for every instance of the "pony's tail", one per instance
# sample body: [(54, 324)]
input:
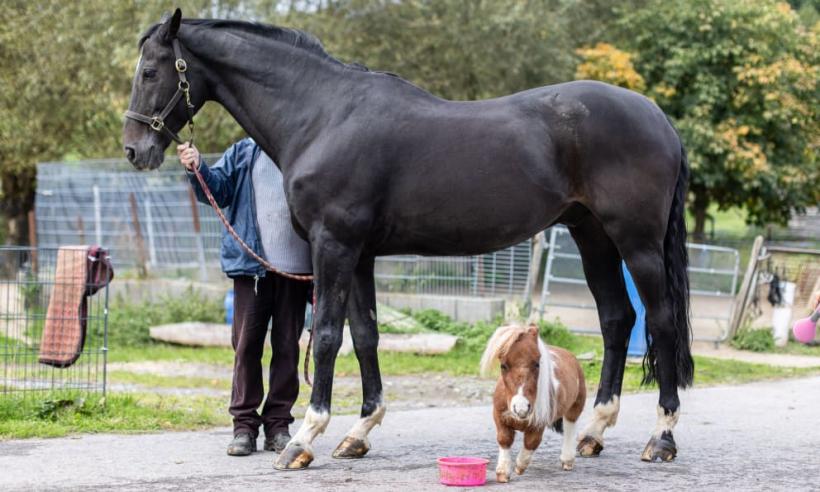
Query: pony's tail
[(676, 261)]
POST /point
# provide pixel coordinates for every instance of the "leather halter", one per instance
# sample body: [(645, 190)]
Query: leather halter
[(157, 122)]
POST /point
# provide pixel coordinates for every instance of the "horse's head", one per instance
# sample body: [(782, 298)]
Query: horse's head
[(163, 86), (517, 349)]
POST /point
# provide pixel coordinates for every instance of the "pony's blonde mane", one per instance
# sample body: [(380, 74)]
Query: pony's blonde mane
[(498, 346)]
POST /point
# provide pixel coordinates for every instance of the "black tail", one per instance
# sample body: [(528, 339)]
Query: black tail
[(676, 260)]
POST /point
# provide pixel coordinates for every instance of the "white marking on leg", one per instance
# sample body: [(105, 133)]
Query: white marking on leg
[(314, 424), (568, 446), (364, 425), (666, 423), (519, 404), (604, 415), (523, 460), (505, 463)]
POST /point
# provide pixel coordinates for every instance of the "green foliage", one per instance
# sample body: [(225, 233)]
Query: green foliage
[(556, 334), (457, 49), (740, 81), (128, 323), (760, 340)]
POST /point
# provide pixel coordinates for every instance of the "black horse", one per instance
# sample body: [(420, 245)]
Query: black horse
[(374, 165)]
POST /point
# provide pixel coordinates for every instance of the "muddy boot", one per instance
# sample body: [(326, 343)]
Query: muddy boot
[(242, 445)]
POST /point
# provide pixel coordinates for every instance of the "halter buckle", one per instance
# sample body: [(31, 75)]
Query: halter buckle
[(184, 85), (180, 65), (157, 124)]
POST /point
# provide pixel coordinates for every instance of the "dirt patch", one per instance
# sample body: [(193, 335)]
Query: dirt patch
[(401, 392)]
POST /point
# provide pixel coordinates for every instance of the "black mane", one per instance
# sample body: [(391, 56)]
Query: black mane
[(294, 37)]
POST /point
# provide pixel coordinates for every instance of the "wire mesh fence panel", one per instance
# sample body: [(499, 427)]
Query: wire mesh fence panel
[(52, 336), (500, 274), (145, 218), (713, 277)]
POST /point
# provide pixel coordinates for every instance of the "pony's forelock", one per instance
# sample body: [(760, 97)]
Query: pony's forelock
[(498, 345)]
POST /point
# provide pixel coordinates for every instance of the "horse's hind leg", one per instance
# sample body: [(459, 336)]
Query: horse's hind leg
[(361, 311), (602, 267), (647, 268)]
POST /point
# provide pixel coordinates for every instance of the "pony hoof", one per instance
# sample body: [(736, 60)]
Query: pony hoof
[(567, 465), (351, 448), (502, 478), (589, 447), (520, 471), (660, 448), (295, 456)]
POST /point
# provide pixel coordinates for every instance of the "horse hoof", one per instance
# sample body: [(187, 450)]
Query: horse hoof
[(660, 448), (589, 447), (520, 471), (294, 457), (351, 448), (502, 478), (567, 465)]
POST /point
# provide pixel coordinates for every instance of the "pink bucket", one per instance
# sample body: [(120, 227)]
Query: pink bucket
[(464, 471)]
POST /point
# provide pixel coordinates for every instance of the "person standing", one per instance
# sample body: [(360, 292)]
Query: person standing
[(250, 185)]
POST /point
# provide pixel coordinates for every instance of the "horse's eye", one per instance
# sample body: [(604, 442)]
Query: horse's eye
[(504, 367), (537, 365), (149, 73)]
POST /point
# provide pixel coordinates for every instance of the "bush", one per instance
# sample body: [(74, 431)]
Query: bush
[(477, 335), (128, 323), (760, 340), (556, 334)]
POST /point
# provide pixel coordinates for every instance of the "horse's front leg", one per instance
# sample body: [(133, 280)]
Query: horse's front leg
[(333, 265), (532, 439), (505, 437), (361, 311)]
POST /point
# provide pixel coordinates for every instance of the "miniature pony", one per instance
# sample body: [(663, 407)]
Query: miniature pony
[(539, 386)]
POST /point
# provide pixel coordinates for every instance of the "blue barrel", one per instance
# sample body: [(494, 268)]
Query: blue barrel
[(637, 340), (229, 307)]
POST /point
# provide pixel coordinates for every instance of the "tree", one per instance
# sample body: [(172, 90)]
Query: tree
[(65, 81), (740, 81), (457, 49), (607, 63)]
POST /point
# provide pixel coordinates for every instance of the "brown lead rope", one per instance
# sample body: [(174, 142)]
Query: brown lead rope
[(263, 262)]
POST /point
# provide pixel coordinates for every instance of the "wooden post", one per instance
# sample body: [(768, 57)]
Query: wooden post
[(81, 229), (142, 269), (749, 283), (535, 268), (200, 247), (32, 238)]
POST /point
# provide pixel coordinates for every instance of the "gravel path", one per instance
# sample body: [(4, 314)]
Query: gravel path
[(760, 436)]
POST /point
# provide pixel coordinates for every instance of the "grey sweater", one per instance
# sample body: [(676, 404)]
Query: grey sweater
[(281, 246)]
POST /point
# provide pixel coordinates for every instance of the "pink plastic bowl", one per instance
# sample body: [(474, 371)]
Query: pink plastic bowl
[(464, 471)]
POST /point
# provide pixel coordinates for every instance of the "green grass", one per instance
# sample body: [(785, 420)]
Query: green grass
[(157, 411), (796, 348), (23, 417)]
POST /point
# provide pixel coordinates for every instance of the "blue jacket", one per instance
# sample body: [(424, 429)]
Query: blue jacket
[(230, 182)]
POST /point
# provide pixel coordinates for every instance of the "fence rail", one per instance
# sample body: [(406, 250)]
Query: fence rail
[(713, 273)]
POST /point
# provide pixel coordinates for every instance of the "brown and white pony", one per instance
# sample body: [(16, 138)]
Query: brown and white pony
[(539, 386)]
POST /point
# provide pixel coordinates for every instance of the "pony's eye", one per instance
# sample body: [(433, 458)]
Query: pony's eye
[(537, 365), (504, 367), (149, 73)]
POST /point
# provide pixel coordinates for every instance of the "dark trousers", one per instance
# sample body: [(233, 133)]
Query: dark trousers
[(284, 301)]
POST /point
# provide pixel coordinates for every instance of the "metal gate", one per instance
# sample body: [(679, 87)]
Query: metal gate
[(713, 274)]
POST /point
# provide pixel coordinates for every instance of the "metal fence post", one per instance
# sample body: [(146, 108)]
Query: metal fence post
[(97, 215)]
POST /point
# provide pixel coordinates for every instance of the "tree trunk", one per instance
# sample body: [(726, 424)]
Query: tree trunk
[(17, 193), (699, 207)]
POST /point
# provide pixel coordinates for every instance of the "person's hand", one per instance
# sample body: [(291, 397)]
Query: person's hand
[(188, 156)]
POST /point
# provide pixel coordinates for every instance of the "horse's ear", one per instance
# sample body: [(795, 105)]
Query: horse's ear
[(173, 27), (533, 330)]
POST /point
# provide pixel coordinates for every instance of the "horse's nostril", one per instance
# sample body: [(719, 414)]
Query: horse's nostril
[(130, 154)]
